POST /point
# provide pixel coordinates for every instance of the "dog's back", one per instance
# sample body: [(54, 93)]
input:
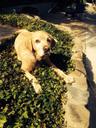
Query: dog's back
[(23, 41)]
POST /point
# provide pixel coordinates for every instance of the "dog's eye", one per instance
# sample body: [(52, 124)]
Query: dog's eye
[(37, 41), (48, 40)]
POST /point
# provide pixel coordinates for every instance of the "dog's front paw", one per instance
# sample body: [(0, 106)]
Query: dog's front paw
[(37, 88), (69, 79)]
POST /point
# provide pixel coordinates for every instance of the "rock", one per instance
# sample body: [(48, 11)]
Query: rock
[(80, 79), (76, 94), (77, 116)]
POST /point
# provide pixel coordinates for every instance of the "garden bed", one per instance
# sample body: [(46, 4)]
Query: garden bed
[(20, 106)]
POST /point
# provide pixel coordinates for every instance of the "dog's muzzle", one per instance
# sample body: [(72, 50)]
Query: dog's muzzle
[(46, 54)]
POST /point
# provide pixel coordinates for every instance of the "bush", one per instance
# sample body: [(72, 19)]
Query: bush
[(20, 106)]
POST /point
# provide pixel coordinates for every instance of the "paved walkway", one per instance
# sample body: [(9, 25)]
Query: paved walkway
[(6, 31)]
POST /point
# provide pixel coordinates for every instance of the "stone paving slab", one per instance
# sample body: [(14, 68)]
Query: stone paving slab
[(77, 115), (6, 31)]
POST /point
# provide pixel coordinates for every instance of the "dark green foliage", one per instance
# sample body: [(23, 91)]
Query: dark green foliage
[(18, 102), (20, 106)]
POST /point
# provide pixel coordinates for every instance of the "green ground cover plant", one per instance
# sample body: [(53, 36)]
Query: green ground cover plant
[(20, 106)]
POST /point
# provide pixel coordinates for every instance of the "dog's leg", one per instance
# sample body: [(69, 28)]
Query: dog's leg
[(28, 64), (60, 73), (35, 83)]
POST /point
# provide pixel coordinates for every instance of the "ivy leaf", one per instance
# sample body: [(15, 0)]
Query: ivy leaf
[(1, 82), (25, 114), (3, 120), (1, 94)]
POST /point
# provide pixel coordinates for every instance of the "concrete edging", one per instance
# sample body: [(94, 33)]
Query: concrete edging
[(77, 115)]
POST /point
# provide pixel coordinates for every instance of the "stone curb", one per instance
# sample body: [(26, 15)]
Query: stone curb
[(77, 115)]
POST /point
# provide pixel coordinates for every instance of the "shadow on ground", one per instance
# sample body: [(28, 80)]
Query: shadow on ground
[(82, 25), (92, 93), (58, 18)]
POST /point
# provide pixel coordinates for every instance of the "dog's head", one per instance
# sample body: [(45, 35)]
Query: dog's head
[(42, 43)]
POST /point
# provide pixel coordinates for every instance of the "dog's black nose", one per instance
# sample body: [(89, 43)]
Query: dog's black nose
[(46, 49)]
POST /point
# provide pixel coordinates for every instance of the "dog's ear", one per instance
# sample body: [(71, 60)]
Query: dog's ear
[(53, 42)]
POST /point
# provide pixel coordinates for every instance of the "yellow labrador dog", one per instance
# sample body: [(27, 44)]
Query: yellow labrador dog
[(32, 47)]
